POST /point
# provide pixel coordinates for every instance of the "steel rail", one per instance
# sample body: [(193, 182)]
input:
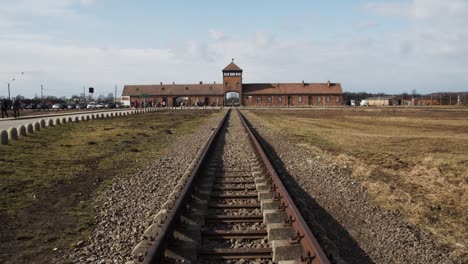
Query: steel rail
[(306, 238), (157, 249)]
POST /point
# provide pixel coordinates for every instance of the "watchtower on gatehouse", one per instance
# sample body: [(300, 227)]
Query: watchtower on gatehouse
[(232, 83)]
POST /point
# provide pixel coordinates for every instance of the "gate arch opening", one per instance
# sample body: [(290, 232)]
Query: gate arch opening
[(232, 99)]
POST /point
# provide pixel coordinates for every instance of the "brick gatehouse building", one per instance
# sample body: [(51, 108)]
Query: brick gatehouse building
[(234, 91)]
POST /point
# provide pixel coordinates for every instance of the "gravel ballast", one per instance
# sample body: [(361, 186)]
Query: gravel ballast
[(362, 231), (127, 206)]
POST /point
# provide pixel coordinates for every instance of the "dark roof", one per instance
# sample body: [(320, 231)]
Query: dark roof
[(291, 88), (232, 67), (173, 89)]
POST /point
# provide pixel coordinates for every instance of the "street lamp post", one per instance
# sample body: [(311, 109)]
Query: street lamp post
[(12, 80)]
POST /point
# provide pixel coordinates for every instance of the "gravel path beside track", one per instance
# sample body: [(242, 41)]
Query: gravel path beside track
[(363, 232), (126, 207)]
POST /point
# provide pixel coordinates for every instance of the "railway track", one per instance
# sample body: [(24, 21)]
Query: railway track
[(231, 208)]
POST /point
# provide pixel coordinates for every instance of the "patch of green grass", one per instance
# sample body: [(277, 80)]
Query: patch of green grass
[(47, 180)]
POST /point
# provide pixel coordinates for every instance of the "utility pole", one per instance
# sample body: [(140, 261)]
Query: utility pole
[(42, 89), (8, 91), (115, 94), (84, 94)]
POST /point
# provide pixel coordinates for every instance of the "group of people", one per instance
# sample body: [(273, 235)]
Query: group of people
[(6, 104)]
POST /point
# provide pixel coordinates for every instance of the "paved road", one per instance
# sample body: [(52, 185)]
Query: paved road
[(6, 123)]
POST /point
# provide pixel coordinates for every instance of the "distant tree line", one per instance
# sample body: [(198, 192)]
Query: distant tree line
[(50, 99)]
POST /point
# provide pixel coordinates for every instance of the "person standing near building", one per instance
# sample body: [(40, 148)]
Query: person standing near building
[(16, 107), (4, 106)]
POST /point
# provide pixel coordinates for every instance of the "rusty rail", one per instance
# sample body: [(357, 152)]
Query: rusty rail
[(312, 248), (156, 252)]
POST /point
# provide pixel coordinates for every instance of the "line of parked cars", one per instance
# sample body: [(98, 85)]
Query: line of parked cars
[(61, 106)]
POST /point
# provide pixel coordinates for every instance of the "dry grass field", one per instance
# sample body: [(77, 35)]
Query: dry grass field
[(47, 180), (411, 160)]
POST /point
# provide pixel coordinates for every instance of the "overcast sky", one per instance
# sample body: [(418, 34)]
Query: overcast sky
[(373, 46)]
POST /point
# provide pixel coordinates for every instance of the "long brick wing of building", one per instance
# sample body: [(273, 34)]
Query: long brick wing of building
[(233, 91)]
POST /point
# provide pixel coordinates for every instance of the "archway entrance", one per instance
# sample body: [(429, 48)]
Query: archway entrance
[(232, 99)]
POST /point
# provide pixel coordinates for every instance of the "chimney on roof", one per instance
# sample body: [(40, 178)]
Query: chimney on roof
[(303, 83), (201, 82), (328, 84)]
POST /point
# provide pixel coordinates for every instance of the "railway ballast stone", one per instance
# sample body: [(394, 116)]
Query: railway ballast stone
[(127, 208)]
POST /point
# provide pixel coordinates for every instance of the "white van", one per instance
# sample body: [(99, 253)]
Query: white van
[(364, 103)]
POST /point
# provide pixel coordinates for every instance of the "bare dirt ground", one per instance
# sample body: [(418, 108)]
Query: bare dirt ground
[(389, 186), (49, 181)]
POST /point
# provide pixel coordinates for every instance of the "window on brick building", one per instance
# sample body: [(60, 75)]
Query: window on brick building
[(328, 98), (337, 99), (299, 99), (319, 99), (279, 99), (259, 99), (269, 100)]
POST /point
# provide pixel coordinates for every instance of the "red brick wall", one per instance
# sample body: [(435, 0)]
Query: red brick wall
[(170, 99), (294, 100)]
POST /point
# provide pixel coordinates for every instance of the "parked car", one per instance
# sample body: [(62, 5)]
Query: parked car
[(110, 105), (364, 103), (56, 106), (71, 106), (42, 106), (31, 106), (101, 105), (81, 106), (91, 105)]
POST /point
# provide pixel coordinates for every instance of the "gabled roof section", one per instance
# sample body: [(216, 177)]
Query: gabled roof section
[(173, 89), (232, 67), (291, 88)]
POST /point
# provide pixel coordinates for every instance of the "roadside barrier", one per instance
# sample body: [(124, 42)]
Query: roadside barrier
[(12, 133), (22, 130), (29, 128), (3, 137), (37, 126)]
